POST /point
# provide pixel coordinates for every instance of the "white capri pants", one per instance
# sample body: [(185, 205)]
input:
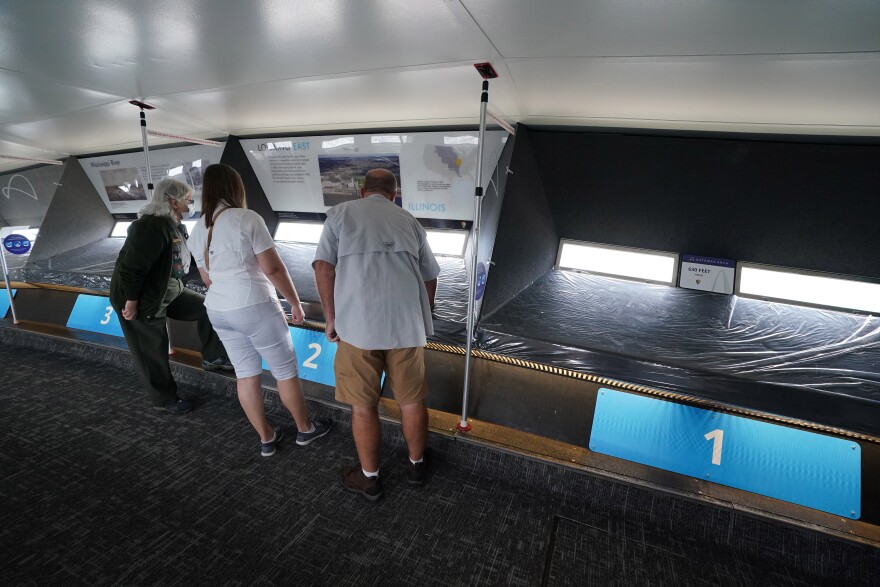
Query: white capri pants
[(254, 331)]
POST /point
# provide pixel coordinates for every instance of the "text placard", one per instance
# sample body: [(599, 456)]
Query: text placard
[(707, 273)]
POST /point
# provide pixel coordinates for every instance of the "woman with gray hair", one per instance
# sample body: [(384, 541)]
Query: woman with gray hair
[(147, 287)]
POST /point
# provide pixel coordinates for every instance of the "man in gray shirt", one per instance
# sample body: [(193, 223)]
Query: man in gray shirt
[(377, 278)]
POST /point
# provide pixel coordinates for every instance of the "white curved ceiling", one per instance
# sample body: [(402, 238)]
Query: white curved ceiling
[(216, 67)]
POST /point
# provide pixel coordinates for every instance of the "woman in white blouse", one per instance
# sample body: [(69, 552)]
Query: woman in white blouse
[(238, 262)]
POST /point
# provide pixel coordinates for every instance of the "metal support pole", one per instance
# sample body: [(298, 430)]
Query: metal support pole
[(8, 287), (464, 426), (149, 178)]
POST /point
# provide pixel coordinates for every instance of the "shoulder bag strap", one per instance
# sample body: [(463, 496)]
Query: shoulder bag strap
[(211, 234)]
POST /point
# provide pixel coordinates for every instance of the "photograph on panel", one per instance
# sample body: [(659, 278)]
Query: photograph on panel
[(342, 177), (189, 172), (123, 184)]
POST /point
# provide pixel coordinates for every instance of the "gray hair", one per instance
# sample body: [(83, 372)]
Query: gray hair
[(165, 191)]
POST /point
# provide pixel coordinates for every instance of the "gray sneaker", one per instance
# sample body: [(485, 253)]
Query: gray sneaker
[(218, 364), (322, 428), (267, 449)]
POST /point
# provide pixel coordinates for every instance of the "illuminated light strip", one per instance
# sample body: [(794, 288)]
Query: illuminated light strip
[(46, 161), (210, 143), (120, 229), (299, 232), (811, 288), (447, 242), (639, 264)]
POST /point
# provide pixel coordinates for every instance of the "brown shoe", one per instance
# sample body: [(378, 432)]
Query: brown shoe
[(354, 480)]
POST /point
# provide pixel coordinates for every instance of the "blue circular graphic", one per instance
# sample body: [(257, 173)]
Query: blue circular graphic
[(17, 244), (481, 280)]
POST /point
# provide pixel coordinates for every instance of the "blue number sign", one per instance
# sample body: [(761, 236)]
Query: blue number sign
[(4, 302), (315, 355), (809, 469), (95, 314)]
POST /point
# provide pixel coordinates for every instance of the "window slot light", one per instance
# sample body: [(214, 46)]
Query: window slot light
[(447, 242), (807, 287), (120, 230), (299, 232), (638, 264)]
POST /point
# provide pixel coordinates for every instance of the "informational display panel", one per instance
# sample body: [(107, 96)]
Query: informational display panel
[(809, 469), (436, 171), (120, 179), (25, 195)]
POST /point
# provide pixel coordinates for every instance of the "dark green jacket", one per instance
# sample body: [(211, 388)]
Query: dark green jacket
[(144, 265)]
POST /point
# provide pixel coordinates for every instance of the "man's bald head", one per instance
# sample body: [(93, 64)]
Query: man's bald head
[(380, 181)]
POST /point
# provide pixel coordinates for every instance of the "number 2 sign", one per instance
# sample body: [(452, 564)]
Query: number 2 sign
[(315, 355)]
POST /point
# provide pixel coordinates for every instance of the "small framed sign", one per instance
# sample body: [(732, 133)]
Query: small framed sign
[(707, 274)]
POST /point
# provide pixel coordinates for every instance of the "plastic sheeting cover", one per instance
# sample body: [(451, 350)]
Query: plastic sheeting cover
[(589, 323)]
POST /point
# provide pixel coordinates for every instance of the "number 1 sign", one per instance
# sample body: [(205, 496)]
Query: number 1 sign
[(814, 470)]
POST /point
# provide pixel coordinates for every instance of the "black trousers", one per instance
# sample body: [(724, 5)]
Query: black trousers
[(147, 339)]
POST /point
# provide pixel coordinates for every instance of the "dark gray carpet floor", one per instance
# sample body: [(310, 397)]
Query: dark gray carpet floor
[(98, 489)]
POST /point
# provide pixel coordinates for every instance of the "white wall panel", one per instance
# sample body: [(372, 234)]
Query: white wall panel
[(600, 28), (707, 92)]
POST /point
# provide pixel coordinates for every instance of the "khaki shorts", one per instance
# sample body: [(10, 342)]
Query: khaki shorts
[(359, 373)]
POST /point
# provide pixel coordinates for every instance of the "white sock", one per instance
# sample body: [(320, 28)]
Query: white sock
[(369, 474), (310, 430), (418, 461), (274, 435)]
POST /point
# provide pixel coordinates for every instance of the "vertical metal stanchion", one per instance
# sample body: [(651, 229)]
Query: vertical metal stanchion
[(149, 177), (8, 287), (486, 72)]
